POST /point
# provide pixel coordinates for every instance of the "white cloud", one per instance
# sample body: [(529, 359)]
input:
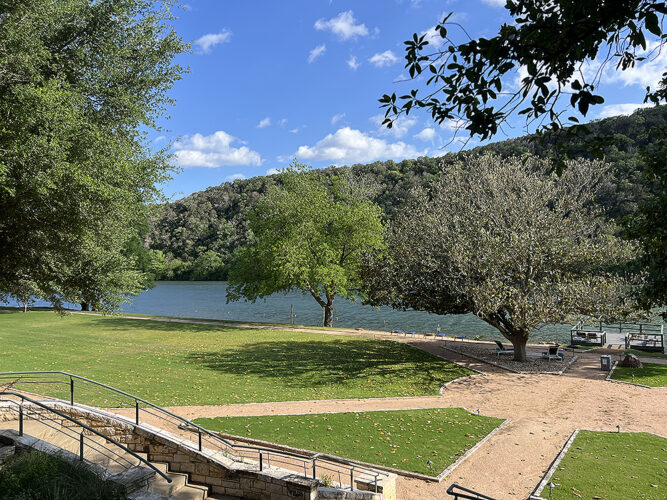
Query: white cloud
[(233, 177), (343, 26), (316, 52), (621, 109), (272, 171), (215, 150), (399, 128), (426, 135), (353, 63), (336, 118), (295, 130), (433, 38), (646, 73), (282, 122), (347, 146), (210, 40), (264, 122), (495, 3), (386, 58)]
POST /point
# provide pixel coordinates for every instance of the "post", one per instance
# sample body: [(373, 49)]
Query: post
[(199, 440), (261, 463), (136, 411), (81, 446), (314, 470), (20, 420), (351, 478), (71, 391), (376, 483), (291, 314)]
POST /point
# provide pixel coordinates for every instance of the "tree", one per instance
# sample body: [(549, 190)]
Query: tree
[(80, 83), (649, 224), (564, 46), (310, 235), (503, 239)]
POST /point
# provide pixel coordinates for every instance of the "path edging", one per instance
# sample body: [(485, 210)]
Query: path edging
[(554, 465)]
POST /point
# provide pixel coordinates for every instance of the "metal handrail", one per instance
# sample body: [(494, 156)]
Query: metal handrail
[(466, 493), (370, 473), (78, 423)]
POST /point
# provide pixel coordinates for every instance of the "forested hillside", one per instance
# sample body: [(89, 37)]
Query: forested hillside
[(194, 238)]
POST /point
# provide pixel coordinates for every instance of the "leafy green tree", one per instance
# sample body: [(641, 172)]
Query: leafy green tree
[(649, 223), (310, 233), (503, 239), (80, 83), (554, 40)]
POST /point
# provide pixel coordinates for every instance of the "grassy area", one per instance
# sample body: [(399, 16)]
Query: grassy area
[(653, 374), (185, 364), (404, 439), (610, 465), (646, 354), (35, 475)]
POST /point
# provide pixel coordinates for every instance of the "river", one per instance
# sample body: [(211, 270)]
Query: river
[(207, 299)]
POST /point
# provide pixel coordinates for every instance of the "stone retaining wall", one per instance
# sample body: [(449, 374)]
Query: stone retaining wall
[(222, 475)]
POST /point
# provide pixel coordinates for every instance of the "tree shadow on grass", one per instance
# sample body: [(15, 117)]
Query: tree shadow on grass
[(318, 363)]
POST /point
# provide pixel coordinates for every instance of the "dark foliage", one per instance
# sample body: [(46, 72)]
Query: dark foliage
[(195, 237)]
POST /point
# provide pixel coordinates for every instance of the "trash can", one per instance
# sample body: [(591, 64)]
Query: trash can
[(605, 363)]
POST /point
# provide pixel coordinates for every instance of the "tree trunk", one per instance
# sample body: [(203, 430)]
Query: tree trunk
[(25, 306), (519, 344), (85, 306), (328, 313)]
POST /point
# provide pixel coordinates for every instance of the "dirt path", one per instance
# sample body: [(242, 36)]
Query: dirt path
[(544, 410)]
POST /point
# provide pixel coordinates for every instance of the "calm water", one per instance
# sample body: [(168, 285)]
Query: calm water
[(207, 299)]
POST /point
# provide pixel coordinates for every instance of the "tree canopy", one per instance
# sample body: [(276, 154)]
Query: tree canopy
[(215, 220), (562, 48), (310, 234), (80, 83), (510, 242)]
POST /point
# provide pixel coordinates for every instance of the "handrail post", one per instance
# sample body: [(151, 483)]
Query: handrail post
[(261, 464), (314, 469), (81, 446), (71, 391), (352, 479), (136, 412), (199, 440), (21, 420), (376, 483)]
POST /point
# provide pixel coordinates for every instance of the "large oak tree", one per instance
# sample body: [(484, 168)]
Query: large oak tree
[(310, 234), (81, 82), (509, 242)]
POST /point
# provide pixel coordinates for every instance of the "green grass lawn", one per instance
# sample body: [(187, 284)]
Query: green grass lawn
[(653, 374), (183, 364), (404, 439), (610, 465), (646, 354)]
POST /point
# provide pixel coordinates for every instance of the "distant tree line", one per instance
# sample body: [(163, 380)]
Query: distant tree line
[(196, 237)]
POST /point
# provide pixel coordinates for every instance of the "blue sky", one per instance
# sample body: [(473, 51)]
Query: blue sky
[(273, 80)]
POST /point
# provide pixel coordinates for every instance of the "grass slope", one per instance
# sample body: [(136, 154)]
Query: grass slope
[(184, 364), (653, 374), (646, 354), (611, 465), (404, 439)]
